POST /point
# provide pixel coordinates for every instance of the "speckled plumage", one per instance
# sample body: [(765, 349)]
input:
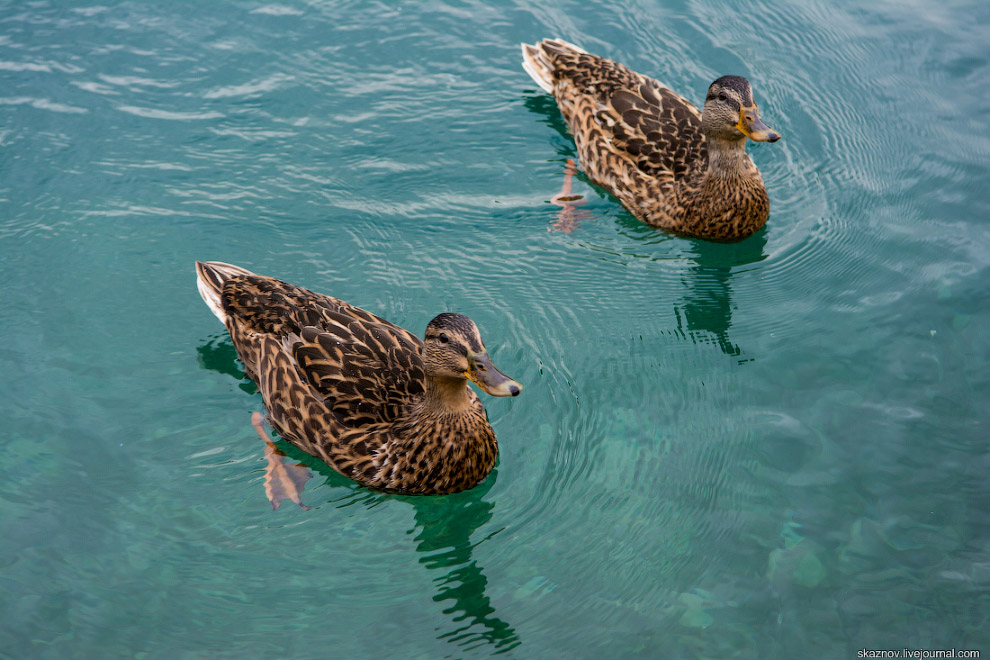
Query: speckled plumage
[(652, 149), (352, 389)]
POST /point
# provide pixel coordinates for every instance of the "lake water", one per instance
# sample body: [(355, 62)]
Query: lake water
[(773, 449)]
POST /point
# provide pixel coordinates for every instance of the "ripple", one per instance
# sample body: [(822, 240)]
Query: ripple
[(169, 115), (44, 104), (138, 81), (24, 66), (277, 10), (251, 89)]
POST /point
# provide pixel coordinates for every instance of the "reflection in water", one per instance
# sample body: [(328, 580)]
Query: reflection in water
[(444, 527), (705, 314), (545, 106), (219, 354), (446, 524)]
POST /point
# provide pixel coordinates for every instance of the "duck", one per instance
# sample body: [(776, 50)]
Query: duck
[(672, 166), (372, 400)]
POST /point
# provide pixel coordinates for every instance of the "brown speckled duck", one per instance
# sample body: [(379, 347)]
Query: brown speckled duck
[(369, 398), (672, 166)]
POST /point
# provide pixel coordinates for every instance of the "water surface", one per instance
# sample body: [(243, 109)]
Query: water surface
[(772, 449)]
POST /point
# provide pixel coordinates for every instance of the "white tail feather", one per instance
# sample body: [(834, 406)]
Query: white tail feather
[(211, 299), (537, 67), (210, 276), (537, 62)]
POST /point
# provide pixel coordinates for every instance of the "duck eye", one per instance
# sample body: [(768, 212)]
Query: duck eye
[(722, 96), (443, 338)]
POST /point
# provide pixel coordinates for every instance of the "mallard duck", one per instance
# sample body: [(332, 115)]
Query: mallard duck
[(672, 166), (370, 399)]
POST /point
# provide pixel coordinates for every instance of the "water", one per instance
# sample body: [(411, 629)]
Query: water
[(773, 449)]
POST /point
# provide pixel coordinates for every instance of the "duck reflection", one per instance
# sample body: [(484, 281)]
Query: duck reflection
[(220, 355), (444, 528), (545, 106), (705, 312), (445, 525)]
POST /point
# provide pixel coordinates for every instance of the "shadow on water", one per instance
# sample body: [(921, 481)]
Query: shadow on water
[(705, 312), (443, 532)]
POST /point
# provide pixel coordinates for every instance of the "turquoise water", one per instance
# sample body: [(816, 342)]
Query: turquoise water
[(774, 449)]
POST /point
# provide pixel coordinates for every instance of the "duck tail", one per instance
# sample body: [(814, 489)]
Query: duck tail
[(538, 62), (210, 276)]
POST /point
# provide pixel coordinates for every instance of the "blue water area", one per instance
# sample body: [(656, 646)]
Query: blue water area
[(770, 449)]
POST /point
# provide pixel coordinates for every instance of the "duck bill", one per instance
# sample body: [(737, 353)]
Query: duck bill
[(753, 127), (483, 373)]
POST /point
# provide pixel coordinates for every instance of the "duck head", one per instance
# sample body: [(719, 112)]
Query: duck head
[(730, 113), (453, 349)]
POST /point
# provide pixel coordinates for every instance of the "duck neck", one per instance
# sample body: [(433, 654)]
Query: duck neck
[(727, 159), (445, 396)]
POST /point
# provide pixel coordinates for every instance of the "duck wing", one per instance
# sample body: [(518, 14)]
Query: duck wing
[(366, 371), (611, 108), (364, 368)]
